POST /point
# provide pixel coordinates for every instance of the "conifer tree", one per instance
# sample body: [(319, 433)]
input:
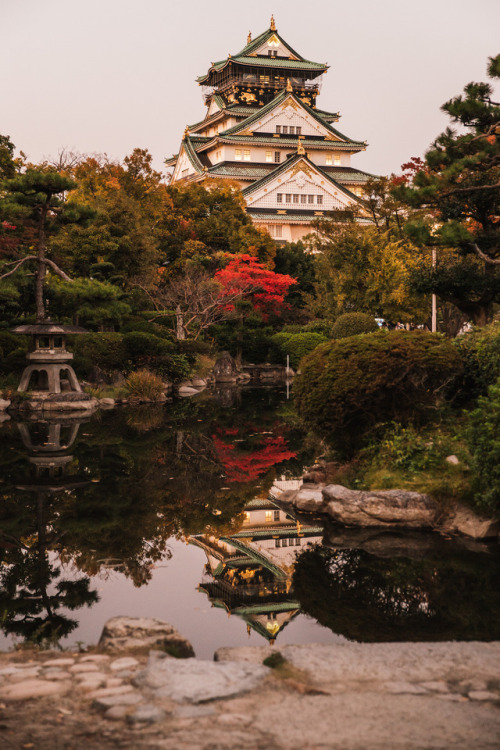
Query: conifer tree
[(34, 202), (460, 183)]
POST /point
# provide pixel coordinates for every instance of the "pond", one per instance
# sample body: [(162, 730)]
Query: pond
[(173, 512)]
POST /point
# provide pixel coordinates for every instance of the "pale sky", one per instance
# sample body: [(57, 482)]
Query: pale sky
[(112, 75)]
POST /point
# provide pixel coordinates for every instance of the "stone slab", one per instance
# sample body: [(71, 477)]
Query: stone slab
[(33, 689), (196, 681)]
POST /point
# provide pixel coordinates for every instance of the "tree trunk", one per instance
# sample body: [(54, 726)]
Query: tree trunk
[(40, 271), (180, 332), (482, 315)]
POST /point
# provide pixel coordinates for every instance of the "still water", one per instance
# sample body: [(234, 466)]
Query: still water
[(173, 512)]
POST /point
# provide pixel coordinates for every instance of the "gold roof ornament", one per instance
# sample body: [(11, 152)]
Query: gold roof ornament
[(289, 86), (300, 148), (186, 133), (273, 24), (249, 37)]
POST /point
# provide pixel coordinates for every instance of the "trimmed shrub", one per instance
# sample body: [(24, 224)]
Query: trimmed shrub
[(297, 345), (480, 353), (323, 326), (349, 385), (144, 384), (484, 443), (351, 324), (104, 350), (139, 344)]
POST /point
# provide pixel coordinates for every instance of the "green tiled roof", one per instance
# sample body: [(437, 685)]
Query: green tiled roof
[(347, 174), (244, 57), (284, 219), (277, 63), (243, 172), (290, 142)]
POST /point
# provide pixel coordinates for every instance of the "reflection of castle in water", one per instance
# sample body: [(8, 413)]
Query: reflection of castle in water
[(250, 573)]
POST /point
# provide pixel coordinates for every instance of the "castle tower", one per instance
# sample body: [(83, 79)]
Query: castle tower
[(262, 128)]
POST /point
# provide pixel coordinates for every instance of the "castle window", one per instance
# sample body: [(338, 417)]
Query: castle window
[(269, 155), (297, 542), (319, 200), (217, 155), (277, 543), (328, 159), (292, 130), (284, 542), (269, 516), (279, 197), (277, 157), (337, 161), (310, 198), (303, 198), (237, 154), (288, 198), (278, 128), (277, 233), (246, 154), (295, 198), (272, 52), (298, 130), (285, 129), (276, 512)]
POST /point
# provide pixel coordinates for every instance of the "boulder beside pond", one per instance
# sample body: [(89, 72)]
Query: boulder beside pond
[(124, 633), (388, 509)]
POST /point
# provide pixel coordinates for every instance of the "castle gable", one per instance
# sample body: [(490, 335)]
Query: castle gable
[(298, 186)]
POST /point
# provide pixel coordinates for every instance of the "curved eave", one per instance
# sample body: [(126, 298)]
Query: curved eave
[(290, 143), (305, 66)]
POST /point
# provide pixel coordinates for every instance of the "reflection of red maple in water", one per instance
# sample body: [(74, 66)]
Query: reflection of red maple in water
[(248, 466)]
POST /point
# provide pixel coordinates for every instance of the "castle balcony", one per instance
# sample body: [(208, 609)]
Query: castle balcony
[(267, 82)]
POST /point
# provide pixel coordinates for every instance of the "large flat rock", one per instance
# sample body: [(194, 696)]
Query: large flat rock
[(196, 681)]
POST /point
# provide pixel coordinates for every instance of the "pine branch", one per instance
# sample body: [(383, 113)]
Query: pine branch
[(19, 263), (57, 270), (487, 259)]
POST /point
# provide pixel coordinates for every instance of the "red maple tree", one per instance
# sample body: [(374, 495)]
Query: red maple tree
[(265, 289)]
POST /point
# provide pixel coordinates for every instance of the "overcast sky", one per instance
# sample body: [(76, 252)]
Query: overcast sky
[(112, 75)]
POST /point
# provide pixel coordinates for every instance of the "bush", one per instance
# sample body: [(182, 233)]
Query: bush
[(349, 385), (480, 353), (484, 443), (144, 384), (351, 324), (297, 345), (323, 326), (139, 344), (104, 350)]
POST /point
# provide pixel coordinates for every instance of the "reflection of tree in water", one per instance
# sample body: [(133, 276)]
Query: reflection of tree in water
[(32, 591), (449, 595), (150, 474)]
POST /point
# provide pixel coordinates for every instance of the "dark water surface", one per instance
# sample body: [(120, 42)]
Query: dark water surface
[(171, 512)]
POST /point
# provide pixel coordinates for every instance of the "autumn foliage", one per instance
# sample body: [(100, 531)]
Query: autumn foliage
[(266, 289)]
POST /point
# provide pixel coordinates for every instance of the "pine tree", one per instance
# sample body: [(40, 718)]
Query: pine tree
[(460, 184)]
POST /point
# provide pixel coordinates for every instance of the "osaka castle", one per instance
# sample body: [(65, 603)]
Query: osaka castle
[(263, 130)]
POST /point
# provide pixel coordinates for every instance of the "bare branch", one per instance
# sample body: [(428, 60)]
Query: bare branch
[(487, 259), (18, 263), (57, 270)]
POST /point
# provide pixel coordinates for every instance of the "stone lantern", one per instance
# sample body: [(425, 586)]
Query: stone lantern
[(49, 370), (49, 376)]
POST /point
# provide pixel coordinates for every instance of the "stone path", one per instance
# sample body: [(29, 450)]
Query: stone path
[(350, 696)]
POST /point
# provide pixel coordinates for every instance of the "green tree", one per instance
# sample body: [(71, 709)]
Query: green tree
[(460, 184), (36, 201), (359, 269)]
